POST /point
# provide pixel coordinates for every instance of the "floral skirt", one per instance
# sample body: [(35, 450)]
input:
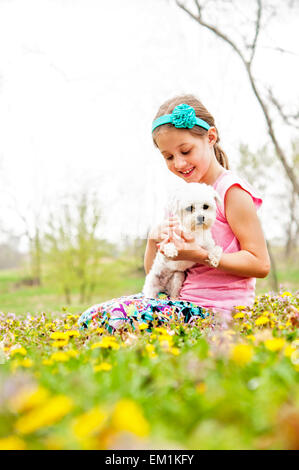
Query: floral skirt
[(136, 309)]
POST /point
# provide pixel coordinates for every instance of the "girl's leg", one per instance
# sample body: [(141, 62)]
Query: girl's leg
[(116, 313)]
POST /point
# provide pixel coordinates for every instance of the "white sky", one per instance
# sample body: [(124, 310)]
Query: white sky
[(80, 82)]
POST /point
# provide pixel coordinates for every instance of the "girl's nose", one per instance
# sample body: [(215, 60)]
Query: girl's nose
[(179, 163)]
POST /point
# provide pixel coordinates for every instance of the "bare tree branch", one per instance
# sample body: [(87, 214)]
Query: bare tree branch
[(286, 117), (257, 30), (247, 64)]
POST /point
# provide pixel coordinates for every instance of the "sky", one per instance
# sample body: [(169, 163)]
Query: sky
[(80, 83)]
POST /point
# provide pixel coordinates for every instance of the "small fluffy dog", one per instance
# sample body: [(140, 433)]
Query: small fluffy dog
[(195, 206)]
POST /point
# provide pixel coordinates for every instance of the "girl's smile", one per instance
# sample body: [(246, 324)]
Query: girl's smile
[(188, 156)]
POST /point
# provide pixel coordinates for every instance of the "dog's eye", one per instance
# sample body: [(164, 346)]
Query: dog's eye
[(205, 207), (190, 208)]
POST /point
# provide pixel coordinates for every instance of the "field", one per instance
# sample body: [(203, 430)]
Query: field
[(180, 386)]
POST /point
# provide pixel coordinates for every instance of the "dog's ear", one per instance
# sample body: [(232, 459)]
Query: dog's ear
[(217, 197)]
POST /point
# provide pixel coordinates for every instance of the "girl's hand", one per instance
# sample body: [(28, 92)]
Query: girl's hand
[(169, 228), (188, 249)]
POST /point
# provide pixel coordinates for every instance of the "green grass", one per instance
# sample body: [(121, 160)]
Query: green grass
[(118, 277), (181, 386)]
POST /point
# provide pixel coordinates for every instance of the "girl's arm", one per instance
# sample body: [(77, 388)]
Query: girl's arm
[(252, 260), (150, 253)]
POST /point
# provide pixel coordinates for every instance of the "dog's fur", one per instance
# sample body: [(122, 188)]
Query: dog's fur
[(195, 206)]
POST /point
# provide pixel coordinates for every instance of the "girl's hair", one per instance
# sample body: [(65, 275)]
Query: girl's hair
[(201, 112)]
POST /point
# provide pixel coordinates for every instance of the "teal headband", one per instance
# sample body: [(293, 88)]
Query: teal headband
[(183, 116)]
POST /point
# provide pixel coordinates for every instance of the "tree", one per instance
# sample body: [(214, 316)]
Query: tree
[(73, 251), (246, 54)]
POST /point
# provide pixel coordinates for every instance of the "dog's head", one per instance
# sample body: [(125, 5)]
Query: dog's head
[(195, 206)]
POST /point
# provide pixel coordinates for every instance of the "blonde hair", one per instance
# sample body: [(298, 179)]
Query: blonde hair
[(201, 112)]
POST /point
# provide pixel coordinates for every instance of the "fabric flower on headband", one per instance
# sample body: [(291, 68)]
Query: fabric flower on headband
[(183, 116)]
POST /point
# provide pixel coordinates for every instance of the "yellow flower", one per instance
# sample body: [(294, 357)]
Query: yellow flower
[(26, 362), (72, 353), (150, 349), (100, 330), (103, 366), (18, 350), (289, 351), (47, 362), (239, 315), (240, 307), (174, 351), (45, 415), (261, 321), (12, 443), (251, 337), (128, 416), (29, 397), (89, 423), (143, 326), (106, 342), (60, 356), (201, 388), (286, 294), (275, 344), (73, 333), (241, 354), (59, 335), (60, 343)]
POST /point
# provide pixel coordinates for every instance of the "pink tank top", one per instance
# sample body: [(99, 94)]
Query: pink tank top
[(210, 287)]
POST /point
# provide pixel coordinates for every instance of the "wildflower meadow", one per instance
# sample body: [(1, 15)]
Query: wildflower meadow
[(179, 386)]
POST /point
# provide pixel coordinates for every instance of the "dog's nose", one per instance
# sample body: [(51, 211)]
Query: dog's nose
[(200, 219)]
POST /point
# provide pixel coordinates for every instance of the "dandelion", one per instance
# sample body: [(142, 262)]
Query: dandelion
[(18, 350), (45, 415), (241, 354), (89, 423), (251, 337), (72, 353), (261, 321), (12, 443), (289, 351), (60, 343), (26, 362), (201, 388), (59, 335), (107, 342), (239, 315), (275, 344), (143, 326), (47, 362), (174, 351), (28, 397), (104, 366), (73, 333), (128, 416), (286, 294), (59, 356)]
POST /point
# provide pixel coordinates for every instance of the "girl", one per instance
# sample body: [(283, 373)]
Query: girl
[(185, 133)]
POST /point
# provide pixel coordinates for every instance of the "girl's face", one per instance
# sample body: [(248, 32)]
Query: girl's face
[(188, 156)]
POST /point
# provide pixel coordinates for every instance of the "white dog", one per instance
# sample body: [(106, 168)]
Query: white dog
[(195, 207)]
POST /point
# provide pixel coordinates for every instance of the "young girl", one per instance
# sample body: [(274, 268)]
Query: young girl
[(186, 135)]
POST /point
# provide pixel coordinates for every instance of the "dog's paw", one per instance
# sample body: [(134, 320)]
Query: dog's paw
[(170, 250)]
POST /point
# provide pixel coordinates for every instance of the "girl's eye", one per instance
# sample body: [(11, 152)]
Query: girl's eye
[(190, 208), (186, 152), (205, 207), (169, 158)]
